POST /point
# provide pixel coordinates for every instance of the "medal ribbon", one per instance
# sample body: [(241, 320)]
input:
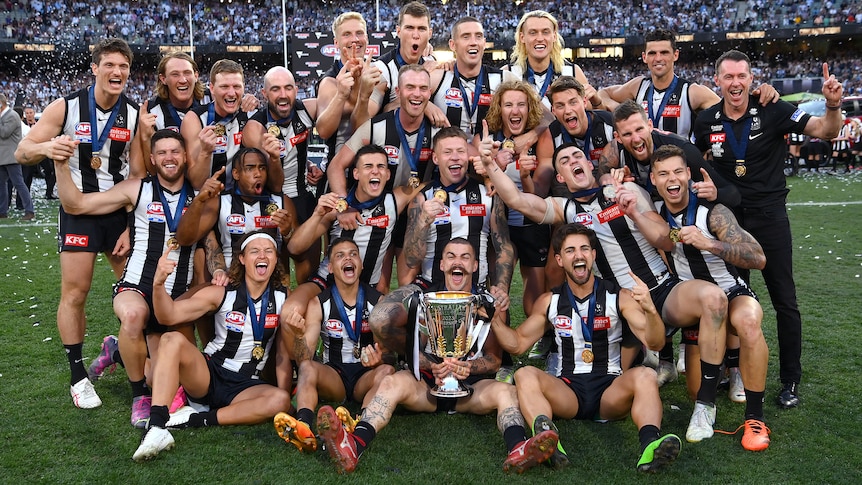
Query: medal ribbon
[(567, 138), (98, 141), (586, 327), (352, 201), (470, 106), (211, 116), (655, 117), (585, 193), (171, 219), (280, 121), (738, 147), (264, 196), (413, 154), (258, 322), (531, 78), (176, 115), (690, 212), (355, 329)]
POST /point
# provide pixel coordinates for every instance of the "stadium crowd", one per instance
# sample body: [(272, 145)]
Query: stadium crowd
[(217, 21)]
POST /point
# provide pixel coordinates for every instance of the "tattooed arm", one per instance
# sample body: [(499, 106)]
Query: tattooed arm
[(388, 319), (490, 360), (502, 244), (734, 244), (420, 216)]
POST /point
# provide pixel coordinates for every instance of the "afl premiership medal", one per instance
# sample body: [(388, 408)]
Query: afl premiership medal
[(440, 195), (274, 130), (219, 129), (508, 144), (95, 162), (271, 208), (341, 205)]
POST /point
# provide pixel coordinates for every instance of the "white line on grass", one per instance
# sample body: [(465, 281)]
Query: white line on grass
[(798, 204)]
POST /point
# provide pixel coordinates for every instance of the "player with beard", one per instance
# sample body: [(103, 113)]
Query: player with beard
[(352, 365), (623, 250), (155, 205), (410, 389), (91, 131), (706, 242), (284, 127), (226, 375), (589, 317)]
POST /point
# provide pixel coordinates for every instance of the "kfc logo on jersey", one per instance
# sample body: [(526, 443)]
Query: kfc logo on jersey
[(330, 50), (584, 218), (717, 137), (234, 321), (82, 132), (334, 327), (155, 212), (563, 326), (76, 240), (235, 224), (120, 134), (381, 222), (671, 111), (596, 153)]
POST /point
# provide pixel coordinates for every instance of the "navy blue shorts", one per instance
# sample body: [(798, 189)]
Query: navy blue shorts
[(225, 385), (589, 389), (90, 234), (350, 375)]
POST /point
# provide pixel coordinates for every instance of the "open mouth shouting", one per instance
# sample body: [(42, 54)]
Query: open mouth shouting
[(374, 185), (261, 267), (580, 271), (639, 150), (349, 270), (516, 124), (458, 276), (572, 123)]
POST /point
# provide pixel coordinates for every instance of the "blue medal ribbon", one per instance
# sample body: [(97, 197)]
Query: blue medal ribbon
[(567, 138), (213, 119), (352, 201), (586, 326), (97, 140), (531, 78), (655, 117), (354, 329), (280, 121), (175, 114), (258, 322), (413, 154), (738, 147), (690, 212), (585, 193), (171, 219), (468, 105)]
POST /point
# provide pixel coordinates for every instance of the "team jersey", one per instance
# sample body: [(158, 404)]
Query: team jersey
[(607, 332), (232, 346), (338, 347), (466, 213), (688, 262), (293, 145), (676, 114), (342, 134), (149, 234), (541, 80), (373, 238), (113, 166), (236, 217), (513, 171), (166, 115), (226, 145), (389, 64), (600, 132), (457, 97), (622, 247)]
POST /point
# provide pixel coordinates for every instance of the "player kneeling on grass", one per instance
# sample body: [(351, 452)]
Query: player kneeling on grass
[(589, 317), (352, 365), (226, 376), (411, 390)]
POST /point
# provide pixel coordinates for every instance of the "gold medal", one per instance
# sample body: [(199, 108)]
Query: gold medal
[(356, 351), (274, 130), (440, 195), (674, 235), (257, 351), (341, 205), (95, 162), (173, 243), (271, 208), (509, 144), (219, 129), (740, 169), (587, 356), (414, 182)]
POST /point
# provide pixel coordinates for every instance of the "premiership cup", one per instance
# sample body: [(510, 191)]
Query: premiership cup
[(452, 326)]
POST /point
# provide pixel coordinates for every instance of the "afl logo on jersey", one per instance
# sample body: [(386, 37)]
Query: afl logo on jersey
[(584, 218), (82, 132), (334, 327), (235, 224), (155, 212), (392, 153), (563, 325), (234, 321)]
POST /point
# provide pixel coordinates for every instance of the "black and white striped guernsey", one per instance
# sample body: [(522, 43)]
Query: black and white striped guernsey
[(293, 141), (337, 346), (237, 217), (677, 116)]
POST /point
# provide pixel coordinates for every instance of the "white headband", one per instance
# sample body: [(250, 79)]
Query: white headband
[(257, 236)]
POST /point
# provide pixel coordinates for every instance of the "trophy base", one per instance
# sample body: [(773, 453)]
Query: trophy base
[(450, 393)]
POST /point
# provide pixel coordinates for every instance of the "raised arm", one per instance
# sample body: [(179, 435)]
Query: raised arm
[(505, 251), (121, 196), (45, 140), (637, 308), (827, 126), (170, 312), (517, 341), (202, 214)]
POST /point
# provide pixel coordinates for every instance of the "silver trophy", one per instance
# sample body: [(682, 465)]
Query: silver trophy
[(452, 326)]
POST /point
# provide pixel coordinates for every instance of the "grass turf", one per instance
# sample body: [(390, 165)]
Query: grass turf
[(50, 441)]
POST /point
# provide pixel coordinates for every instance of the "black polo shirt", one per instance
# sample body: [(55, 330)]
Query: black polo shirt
[(763, 182)]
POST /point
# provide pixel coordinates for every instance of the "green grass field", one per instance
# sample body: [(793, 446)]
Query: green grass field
[(48, 440)]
